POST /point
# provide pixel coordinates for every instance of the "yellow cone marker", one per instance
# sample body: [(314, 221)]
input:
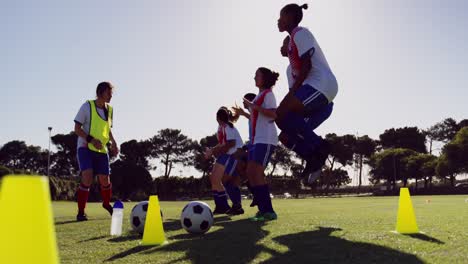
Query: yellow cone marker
[(153, 233), (406, 220), (27, 233)]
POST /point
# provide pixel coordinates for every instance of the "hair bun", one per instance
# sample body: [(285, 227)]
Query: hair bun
[(276, 75), (304, 6)]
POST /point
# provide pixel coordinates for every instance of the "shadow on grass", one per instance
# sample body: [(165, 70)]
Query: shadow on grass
[(235, 242), (92, 239), (126, 237), (319, 246), (66, 222), (78, 222), (172, 225), (427, 238), (129, 252)]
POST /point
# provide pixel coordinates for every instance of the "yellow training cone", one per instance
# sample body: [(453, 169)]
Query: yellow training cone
[(406, 220), (153, 233), (27, 233)]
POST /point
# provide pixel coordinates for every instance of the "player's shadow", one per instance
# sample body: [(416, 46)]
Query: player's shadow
[(172, 225), (131, 251), (169, 225), (92, 239), (66, 222), (319, 246), (426, 238), (77, 222), (236, 242)]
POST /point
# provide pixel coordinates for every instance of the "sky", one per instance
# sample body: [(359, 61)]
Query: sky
[(174, 63)]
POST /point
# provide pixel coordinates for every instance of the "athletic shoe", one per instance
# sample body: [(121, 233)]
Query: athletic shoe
[(236, 209), (219, 210), (81, 217), (108, 207), (262, 217), (258, 217), (270, 216), (315, 163)]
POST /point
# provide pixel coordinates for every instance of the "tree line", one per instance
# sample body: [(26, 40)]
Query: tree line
[(398, 156)]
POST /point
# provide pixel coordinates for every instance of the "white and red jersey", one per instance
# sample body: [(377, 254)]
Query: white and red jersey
[(263, 127), (227, 133), (320, 76)]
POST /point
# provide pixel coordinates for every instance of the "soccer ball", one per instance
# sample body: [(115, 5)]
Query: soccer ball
[(196, 217), (138, 216)]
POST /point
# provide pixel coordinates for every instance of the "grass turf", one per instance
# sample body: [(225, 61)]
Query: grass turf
[(316, 230)]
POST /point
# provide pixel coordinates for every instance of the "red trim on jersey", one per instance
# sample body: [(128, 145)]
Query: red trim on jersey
[(293, 54), (222, 134), (259, 102)]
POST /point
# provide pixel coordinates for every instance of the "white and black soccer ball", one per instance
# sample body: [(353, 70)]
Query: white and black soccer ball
[(196, 217), (138, 216)]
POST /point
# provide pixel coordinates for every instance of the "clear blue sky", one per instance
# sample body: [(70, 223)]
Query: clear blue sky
[(398, 63)]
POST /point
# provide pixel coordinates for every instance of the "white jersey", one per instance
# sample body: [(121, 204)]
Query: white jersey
[(83, 117), (265, 127), (289, 76), (320, 76), (231, 133)]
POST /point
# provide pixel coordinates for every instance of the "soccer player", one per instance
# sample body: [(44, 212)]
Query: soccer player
[(264, 141), (242, 154), (229, 140), (313, 87), (93, 125)]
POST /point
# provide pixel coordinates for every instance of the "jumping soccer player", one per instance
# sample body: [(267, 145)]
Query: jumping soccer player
[(313, 87)]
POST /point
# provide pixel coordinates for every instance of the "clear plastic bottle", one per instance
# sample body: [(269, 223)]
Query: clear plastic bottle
[(117, 218)]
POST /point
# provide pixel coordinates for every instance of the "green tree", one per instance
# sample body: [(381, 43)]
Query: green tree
[(364, 148), (136, 153), (455, 154), (128, 178), (418, 165), (390, 166), (63, 162), (406, 137), (12, 154), (339, 177), (281, 158), (341, 155), (172, 147), (19, 156), (342, 150), (200, 163)]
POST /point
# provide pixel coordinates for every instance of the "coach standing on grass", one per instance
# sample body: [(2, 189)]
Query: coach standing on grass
[(93, 125)]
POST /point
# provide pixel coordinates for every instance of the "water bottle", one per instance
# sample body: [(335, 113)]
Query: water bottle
[(117, 218)]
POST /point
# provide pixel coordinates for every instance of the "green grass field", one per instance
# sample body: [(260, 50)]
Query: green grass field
[(316, 230)]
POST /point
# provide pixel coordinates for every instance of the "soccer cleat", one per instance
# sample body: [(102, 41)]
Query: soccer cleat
[(315, 163), (261, 217), (257, 218), (81, 217), (219, 210), (236, 209), (108, 207), (270, 216)]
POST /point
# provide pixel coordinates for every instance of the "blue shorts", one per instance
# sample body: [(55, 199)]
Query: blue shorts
[(231, 165), (261, 153), (98, 162), (223, 159), (311, 98)]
